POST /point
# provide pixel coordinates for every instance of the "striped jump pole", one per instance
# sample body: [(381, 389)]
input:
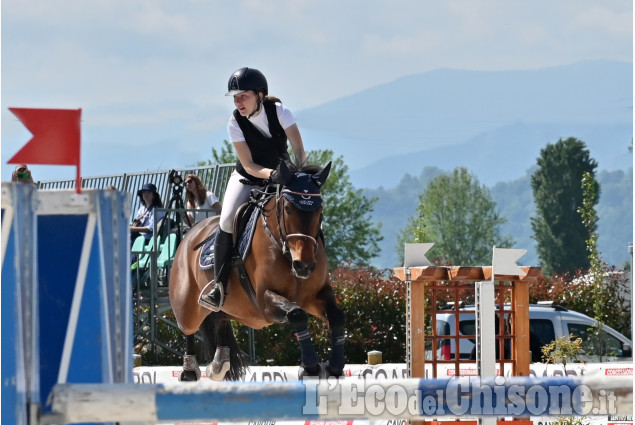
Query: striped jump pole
[(311, 399)]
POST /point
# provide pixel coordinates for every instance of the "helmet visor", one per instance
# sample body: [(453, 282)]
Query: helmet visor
[(235, 92)]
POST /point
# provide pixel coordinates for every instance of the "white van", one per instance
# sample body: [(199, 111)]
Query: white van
[(546, 323)]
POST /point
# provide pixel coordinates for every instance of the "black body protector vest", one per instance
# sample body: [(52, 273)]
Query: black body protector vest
[(267, 152)]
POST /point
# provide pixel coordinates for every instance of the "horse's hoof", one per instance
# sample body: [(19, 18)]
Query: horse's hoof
[(191, 370), (334, 373), (189, 376), (217, 369), (310, 372)]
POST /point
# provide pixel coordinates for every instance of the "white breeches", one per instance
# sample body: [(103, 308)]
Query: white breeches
[(236, 194)]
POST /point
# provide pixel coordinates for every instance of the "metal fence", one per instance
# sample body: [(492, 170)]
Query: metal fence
[(151, 280), (213, 177)]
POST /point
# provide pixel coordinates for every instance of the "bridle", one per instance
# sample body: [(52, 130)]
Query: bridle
[(285, 236)]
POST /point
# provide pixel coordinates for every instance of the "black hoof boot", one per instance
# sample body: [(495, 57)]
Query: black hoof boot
[(330, 372), (309, 372), (191, 370), (188, 376)]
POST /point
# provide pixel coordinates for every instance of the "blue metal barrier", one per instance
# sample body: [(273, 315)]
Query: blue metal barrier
[(66, 297), (20, 384)]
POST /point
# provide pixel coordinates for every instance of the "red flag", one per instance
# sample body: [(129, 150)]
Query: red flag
[(56, 137)]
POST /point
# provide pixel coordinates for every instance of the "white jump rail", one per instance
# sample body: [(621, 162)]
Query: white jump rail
[(412, 399)]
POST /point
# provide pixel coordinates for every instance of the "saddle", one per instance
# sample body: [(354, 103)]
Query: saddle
[(244, 226), (245, 221)]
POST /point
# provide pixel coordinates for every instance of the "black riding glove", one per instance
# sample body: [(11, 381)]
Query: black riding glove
[(275, 177)]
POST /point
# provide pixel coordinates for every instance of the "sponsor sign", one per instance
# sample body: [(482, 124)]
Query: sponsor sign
[(618, 371)]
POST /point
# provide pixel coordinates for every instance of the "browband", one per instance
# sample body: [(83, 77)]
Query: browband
[(300, 193)]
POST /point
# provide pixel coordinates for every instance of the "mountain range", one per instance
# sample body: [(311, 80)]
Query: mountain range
[(492, 122), (397, 136)]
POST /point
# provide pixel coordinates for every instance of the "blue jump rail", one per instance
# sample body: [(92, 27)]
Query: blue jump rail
[(412, 399)]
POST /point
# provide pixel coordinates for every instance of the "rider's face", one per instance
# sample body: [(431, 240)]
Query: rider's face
[(246, 102)]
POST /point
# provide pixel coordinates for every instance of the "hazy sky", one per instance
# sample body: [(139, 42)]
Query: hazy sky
[(136, 67)]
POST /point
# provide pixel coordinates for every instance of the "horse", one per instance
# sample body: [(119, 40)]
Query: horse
[(287, 268)]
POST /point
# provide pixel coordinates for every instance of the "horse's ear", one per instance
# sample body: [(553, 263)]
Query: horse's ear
[(320, 177), (285, 173)]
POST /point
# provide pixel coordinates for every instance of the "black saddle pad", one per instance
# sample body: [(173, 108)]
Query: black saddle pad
[(206, 260)]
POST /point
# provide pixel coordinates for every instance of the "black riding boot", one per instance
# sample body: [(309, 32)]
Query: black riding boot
[(223, 247)]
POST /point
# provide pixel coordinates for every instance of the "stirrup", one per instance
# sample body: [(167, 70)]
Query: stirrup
[(204, 300)]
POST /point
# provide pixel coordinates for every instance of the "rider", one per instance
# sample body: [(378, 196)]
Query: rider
[(259, 128)]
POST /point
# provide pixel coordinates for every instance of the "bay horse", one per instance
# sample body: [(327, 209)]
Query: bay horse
[(288, 270)]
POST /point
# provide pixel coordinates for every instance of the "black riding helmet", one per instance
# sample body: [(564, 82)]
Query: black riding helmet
[(245, 79)]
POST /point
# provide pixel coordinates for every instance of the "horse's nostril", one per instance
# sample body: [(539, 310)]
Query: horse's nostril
[(301, 269), (297, 265)]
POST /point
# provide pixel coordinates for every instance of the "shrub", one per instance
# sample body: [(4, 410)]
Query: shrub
[(567, 290)]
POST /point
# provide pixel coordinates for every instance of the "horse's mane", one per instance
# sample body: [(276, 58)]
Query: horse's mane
[(304, 168)]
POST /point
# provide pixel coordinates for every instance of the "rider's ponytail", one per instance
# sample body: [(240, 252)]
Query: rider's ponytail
[(272, 99)]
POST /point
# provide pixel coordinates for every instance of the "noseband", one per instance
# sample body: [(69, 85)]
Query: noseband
[(285, 237)]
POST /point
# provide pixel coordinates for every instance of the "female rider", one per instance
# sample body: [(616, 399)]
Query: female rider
[(258, 128)]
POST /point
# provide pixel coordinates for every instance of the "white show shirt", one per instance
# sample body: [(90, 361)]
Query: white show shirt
[(210, 200), (261, 122)]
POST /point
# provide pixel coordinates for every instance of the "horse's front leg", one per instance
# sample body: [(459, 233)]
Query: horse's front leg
[(337, 320), (281, 309)]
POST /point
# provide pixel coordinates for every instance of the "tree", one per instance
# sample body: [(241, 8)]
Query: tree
[(459, 216), (558, 229), (224, 155), (351, 237), (589, 219), (601, 297)]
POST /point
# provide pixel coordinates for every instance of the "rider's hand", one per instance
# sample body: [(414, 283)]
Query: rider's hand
[(275, 177)]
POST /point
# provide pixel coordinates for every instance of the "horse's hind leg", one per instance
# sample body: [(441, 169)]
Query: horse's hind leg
[(281, 309), (229, 361), (219, 366), (191, 370)]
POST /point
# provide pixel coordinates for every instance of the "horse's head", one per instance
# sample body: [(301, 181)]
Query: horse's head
[(300, 215)]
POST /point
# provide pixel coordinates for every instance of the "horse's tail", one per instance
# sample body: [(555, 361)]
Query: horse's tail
[(217, 332)]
